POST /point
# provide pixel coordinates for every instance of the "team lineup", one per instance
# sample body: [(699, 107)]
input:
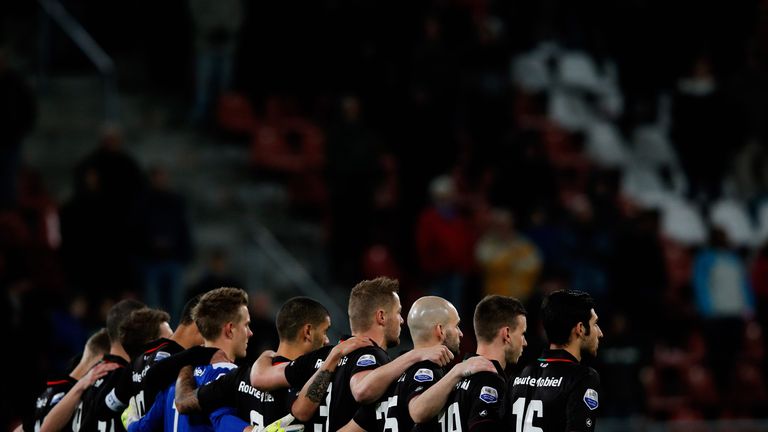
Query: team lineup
[(139, 375)]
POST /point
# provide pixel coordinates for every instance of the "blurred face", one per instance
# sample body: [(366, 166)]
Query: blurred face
[(592, 340), (241, 332), (453, 333), (517, 340), (320, 334), (394, 322)]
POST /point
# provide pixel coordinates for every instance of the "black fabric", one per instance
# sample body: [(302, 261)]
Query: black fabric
[(477, 403), (55, 389), (154, 351), (99, 408), (164, 373), (560, 393)]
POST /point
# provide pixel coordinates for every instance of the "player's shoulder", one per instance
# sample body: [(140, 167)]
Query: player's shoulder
[(488, 387), (367, 356), (424, 371)]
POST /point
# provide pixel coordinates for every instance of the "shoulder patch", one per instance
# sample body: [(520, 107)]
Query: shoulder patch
[(590, 399), (489, 395), (366, 360), (424, 375), (161, 355)]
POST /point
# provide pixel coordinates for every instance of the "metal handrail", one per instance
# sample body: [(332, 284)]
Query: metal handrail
[(292, 269), (103, 62)]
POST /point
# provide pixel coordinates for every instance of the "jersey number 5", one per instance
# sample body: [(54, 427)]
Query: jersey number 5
[(524, 417)]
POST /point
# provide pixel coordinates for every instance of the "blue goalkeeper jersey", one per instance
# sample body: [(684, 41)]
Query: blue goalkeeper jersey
[(164, 416)]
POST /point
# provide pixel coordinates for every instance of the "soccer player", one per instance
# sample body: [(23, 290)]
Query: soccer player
[(95, 348), (302, 324), (433, 321), (557, 392), (184, 337), (477, 403), (82, 400), (223, 320)]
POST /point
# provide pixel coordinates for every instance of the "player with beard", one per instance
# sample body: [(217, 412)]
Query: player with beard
[(432, 321), (477, 402), (360, 376), (557, 392)]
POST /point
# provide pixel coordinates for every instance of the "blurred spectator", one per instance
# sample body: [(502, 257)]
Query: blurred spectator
[(99, 224), (353, 174), (262, 325), (510, 262), (620, 362), (215, 275), (445, 241), (166, 244), (723, 298), (216, 27), (17, 117)]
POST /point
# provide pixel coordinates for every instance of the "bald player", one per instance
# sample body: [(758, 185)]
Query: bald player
[(432, 321)]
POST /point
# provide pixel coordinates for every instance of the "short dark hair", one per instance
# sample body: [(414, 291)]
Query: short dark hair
[(98, 343), (297, 312), (141, 328), (494, 312), (216, 308), (119, 313), (562, 310), (366, 298), (186, 313)]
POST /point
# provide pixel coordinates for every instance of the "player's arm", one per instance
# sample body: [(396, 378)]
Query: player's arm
[(265, 376), (583, 403), (367, 386), (62, 412), (352, 426), (425, 406), (313, 393), (163, 373), (186, 392)]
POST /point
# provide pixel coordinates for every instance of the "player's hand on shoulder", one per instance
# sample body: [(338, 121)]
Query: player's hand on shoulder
[(352, 344), (474, 365), (439, 354), (98, 372)]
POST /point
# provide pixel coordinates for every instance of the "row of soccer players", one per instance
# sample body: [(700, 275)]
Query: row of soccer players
[(352, 386)]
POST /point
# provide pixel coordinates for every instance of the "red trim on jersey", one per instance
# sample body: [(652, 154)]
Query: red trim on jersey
[(53, 383), (151, 350), (555, 360), (279, 363)]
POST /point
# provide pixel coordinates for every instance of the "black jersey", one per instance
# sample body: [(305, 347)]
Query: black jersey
[(100, 409), (476, 403), (298, 372), (556, 393), (391, 413), (342, 406), (55, 390), (234, 389), (154, 352)]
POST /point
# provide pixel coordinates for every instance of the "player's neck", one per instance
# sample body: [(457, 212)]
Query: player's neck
[(291, 351), (183, 336), (572, 349), (373, 334), (492, 352), (118, 350), (223, 346)]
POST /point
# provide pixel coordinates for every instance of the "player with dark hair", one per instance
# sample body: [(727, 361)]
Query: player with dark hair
[(557, 392), (95, 402), (302, 324), (185, 336), (223, 320), (477, 402), (95, 348)]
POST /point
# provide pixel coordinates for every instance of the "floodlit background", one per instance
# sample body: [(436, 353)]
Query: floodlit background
[(158, 149)]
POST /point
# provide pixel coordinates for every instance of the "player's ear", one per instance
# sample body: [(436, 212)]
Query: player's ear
[(380, 317), (307, 332), (440, 332), (228, 327)]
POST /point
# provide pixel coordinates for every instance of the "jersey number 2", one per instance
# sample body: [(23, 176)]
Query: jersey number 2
[(524, 417)]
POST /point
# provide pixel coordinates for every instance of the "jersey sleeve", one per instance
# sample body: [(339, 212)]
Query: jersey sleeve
[(221, 392), (124, 388), (419, 380), (164, 372), (583, 403), (299, 371), (365, 417), (486, 403), (368, 358)]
